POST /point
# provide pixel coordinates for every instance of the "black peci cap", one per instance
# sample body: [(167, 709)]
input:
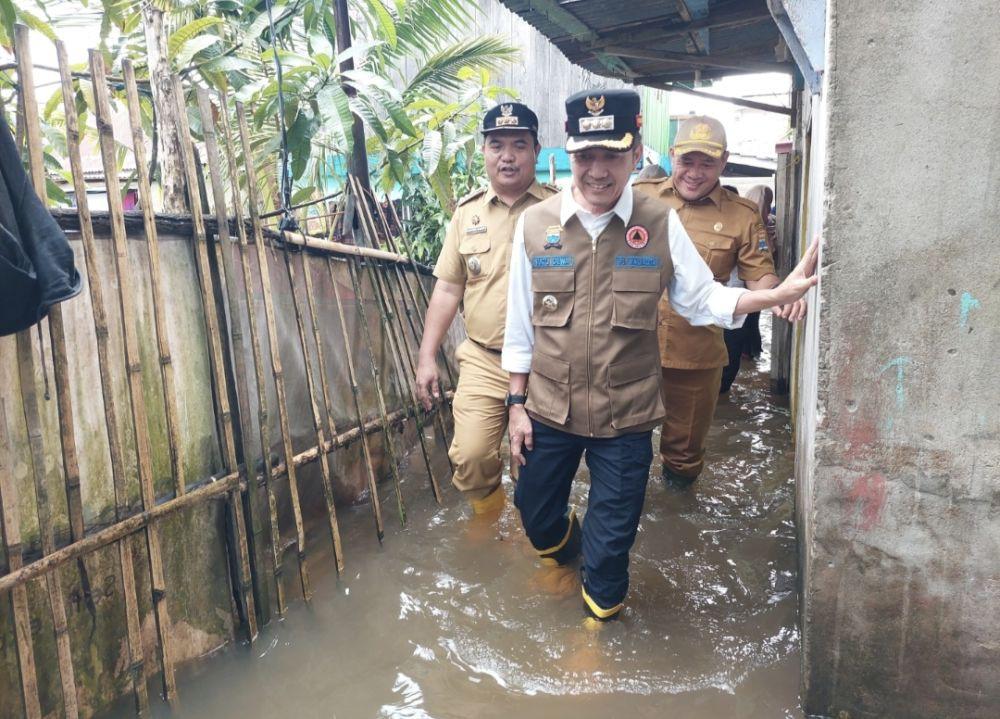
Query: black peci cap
[(510, 116), (602, 118)]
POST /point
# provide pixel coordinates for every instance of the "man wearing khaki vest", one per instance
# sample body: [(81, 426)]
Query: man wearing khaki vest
[(587, 269), (472, 270), (729, 234)]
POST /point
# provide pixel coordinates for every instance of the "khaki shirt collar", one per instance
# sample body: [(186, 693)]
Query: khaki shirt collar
[(714, 196), (569, 206), (535, 190)]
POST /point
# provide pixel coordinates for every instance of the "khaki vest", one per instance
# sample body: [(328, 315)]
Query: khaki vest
[(595, 367)]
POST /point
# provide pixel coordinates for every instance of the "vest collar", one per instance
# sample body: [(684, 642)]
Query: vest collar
[(569, 207)]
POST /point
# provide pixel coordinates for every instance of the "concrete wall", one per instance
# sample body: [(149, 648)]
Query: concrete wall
[(899, 460)]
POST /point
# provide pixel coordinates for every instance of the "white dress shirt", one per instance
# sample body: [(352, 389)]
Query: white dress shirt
[(694, 293)]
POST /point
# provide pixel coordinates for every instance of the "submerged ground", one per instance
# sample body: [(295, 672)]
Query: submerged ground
[(451, 618)]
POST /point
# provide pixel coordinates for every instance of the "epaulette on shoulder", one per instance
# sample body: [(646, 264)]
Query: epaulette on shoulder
[(552, 187), (649, 181), (749, 204), (472, 195)]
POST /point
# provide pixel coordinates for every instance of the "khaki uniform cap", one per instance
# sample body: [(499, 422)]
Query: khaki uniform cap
[(700, 133)]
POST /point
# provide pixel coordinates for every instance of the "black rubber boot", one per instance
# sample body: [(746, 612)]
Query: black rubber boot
[(677, 482)]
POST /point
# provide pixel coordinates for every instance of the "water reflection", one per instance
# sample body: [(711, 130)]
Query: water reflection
[(452, 618)]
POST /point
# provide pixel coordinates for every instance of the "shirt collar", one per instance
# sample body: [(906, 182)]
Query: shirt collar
[(714, 196), (534, 189), (569, 206)]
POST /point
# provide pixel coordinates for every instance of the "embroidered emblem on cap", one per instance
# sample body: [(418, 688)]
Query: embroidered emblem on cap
[(637, 237), (507, 119), (718, 227), (474, 266), (552, 236), (549, 302), (595, 105), (701, 131), (605, 123), (506, 110)]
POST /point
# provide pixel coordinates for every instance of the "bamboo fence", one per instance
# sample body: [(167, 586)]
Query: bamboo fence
[(228, 242)]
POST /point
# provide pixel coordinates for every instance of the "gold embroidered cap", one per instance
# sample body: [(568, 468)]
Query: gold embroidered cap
[(700, 133), (602, 118)]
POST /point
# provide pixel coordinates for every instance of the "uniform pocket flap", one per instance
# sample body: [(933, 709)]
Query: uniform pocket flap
[(635, 281), (473, 244), (553, 280), (622, 373), (556, 370)]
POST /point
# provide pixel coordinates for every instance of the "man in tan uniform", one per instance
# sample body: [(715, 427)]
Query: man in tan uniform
[(588, 267), (472, 270), (728, 233)]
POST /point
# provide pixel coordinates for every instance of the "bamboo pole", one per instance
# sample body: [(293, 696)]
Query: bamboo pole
[(32, 416), (317, 422), (11, 526), (102, 333), (388, 308), (263, 426), (212, 489), (225, 260), (408, 301), (133, 369), (408, 248), (221, 386), (353, 377), (156, 276), (274, 348), (377, 379)]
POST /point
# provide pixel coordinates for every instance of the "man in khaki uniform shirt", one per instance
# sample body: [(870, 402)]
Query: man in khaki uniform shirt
[(588, 267), (472, 270), (728, 233)]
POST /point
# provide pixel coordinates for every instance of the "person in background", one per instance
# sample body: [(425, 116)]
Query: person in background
[(472, 270), (728, 233)]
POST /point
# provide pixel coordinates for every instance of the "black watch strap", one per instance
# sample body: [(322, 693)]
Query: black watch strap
[(515, 399)]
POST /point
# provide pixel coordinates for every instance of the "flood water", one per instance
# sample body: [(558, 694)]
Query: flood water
[(454, 618)]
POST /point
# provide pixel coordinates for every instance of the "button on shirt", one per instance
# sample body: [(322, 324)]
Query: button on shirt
[(476, 255), (694, 294)]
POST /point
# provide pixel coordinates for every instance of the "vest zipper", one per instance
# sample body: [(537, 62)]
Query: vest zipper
[(590, 328)]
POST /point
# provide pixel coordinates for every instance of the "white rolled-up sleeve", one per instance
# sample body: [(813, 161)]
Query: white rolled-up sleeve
[(519, 334), (694, 293)]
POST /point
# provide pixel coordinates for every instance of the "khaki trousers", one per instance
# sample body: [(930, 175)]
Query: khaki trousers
[(480, 420), (689, 398)]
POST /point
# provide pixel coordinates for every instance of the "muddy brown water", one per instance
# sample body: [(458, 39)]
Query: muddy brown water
[(454, 618)]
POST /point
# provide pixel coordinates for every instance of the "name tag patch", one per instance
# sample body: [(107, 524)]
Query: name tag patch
[(552, 261), (475, 230), (637, 261)]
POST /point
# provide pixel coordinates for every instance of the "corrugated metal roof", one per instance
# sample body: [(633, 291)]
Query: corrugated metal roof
[(654, 42)]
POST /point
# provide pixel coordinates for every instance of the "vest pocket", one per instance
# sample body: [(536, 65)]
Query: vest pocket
[(634, 389), (553, 295), (634, 297), (548, 388)]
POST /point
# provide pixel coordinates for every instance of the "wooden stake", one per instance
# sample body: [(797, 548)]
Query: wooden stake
[(11, 526), (263, 425), (32, 416), (156, 276), (317, 422), (225, 260), (353, 376), (127, 566), (133, 368), (405, 370), (272, 336)]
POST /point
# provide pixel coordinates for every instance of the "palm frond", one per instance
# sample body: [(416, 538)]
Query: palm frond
[(440, 73)]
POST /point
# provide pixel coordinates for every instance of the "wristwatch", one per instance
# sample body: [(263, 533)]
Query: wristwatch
[(515, 399)]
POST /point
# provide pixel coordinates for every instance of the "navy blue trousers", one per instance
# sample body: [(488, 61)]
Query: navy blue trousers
[(619, 470)]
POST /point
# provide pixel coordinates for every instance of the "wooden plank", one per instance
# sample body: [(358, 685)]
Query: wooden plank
[(26, 366), (263, 426), (274, 346), (11, 526), (133, 368), (132, 622), (236, 337)]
